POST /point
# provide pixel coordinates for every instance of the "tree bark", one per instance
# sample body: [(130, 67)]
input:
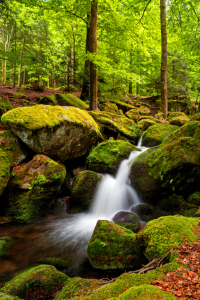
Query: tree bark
[(93, 49), (85, 87), (72, 57), (164, 103)]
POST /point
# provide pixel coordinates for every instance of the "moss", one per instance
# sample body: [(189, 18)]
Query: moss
[(155, 134), (109, 107), (83, 189), (4, 171), (4, 296), (122, 105), (5, 105), (146, 292), (128, 280), (165, 233), (64, 100), (143, 110), (196, 117), (45, 276), (77, 287), (13, 147), (34, 188), (194, 198), (112, 247), (173, 115), (107, 156), (5, 244), (179, 121), (133, 114), (56, 262), (117, 123)]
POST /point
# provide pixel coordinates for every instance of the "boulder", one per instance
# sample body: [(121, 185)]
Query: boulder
[(43, 276), (64, 100), (178, 119), (194, 198), (172, 168), (111, 246), (176, 114), (13, 147), (109, 107), (107, 156), (4, 171), (33, 188), (165, 233), (122, 105), (127, 220), (59, 132), (196, 117), (4, 296), (143, 210), (83, 190), (133, 114), (114, 125), (143, 110), (146, 123), (156, 134)]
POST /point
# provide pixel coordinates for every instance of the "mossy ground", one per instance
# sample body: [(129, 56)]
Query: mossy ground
[(107, 156)]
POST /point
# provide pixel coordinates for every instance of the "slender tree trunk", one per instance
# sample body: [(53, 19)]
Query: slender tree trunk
[(72, 58), (86, 81), (24, 75), (131, 62), (164, 103), (93, 49), (14, 76)]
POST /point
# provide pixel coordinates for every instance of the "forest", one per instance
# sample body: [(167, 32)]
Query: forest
[(99, 149)]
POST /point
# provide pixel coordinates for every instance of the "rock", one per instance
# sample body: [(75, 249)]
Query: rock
[(143, 210), (173, 115), (172, 168), (146, 124), (4, 296), (143, 110), (122, 105), (178, 119), (113, 124), (43, 276), (109, 107), (33, 188), (112, 247), (156, 134), (13, 147), (5, 244), (57, 262), (107, 156), (64, 100), (127, 220), (59, 132), (145, 292), (194, 198), (83, 190), (196, 117), (133, 114), (165, 233), (4, 171)]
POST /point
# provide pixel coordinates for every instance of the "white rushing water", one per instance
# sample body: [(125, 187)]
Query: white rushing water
[(114, 194)]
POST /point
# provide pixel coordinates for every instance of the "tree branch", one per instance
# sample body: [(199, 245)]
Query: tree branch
[(144, 11)]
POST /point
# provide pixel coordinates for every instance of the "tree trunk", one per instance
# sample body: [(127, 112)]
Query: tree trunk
[(72, 58), (164, 103), (85, 87), (130, 82), (93, 49)]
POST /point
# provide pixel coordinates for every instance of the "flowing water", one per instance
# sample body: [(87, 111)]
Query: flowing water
[(68, 236)]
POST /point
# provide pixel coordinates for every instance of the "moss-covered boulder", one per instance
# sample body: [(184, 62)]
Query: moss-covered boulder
[(113, 125), (175, 114), (111, 246), (83, 189), (109, 107), (165, 233), (59, 132), (43, 276), (172, 168), (196, 117), (143, 110), (145, 292), (146, 124), (56, 262), (123, 105), (156, 134), (4, 296), (194, 198), (5, 244), (64, 100), (133, 114), (127, 220), (4, 171), (13, 147), (33, 188), (179, 121), (107, 156)]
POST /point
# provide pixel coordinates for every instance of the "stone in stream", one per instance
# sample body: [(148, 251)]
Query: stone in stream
[(127, 220), (59, 132), (33, 188)]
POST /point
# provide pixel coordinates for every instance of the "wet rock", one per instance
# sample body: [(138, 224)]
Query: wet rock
[(58, 132), (127, 220)]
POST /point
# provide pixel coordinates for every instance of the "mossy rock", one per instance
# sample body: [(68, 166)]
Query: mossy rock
[(130, 280), (171, 168), (147, 123), (194, 198), (13, 147), (56, 262), (4, 296), (156, 134), (116, 124), (109, 107), (179, 121), (64, 100), (146, 292), (42, 276), (83, 190), (196, 117), (143, 210), (77, 287), (122, 105), (127, 220), (143, 110), (173, 115), (5, 243), (167, 232), (59, 132), (112, 247), (133, 114), (107, 156), (33, 188), (4, 171)]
